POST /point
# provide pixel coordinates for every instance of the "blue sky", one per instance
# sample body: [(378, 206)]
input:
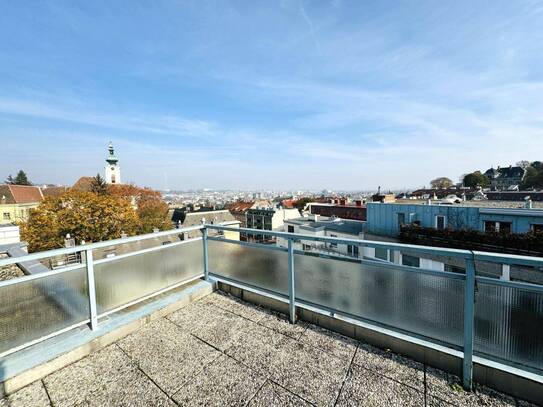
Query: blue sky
[(270, 94)]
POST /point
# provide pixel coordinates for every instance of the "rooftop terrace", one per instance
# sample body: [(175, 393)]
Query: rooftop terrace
[(142, 324), (222, 351)]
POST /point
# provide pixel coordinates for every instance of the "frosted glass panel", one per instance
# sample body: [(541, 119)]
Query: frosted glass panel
[(424, 304), (33, 309), (263, 268), (123, 280), (509, 324)]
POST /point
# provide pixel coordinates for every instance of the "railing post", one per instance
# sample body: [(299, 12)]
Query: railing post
[(206, 257), (291, 291), (469, 320), (92, 290)]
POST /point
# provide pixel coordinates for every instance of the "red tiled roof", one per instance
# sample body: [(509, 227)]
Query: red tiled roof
[(53, 191), (23, 194), (83, 184)]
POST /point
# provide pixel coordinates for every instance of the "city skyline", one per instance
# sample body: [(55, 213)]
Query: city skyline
[(253, 95)]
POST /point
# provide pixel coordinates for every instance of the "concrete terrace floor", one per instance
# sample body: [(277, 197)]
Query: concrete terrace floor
[(221, 351)]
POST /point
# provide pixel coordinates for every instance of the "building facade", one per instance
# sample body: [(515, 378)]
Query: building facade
[(385, 219), (315, 225), (503, 178), (16, 202), (268, 219)]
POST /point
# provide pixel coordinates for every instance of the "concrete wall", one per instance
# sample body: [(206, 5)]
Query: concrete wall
[(9, 234)]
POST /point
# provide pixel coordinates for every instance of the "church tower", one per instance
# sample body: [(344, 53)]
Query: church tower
[(113, 171)]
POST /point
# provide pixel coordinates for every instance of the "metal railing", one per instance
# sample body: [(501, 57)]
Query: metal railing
[(94, 310)]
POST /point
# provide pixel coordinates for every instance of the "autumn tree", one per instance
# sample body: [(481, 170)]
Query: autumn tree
[(86, 216), (151, 210), (441, 183)]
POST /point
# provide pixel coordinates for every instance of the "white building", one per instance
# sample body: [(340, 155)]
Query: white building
[(268, 219), (316, 225), (112, 169)]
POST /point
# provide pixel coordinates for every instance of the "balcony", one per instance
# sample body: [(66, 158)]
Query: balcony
[(143, 327)]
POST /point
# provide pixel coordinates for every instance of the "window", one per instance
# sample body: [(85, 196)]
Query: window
[(440, 222), (537, 228), (7, 216), (333, 245), (290, 229), (306, 247), (401, 219), (410, 261), (493, 226), (381, 253), (455, 269), (352, 250)]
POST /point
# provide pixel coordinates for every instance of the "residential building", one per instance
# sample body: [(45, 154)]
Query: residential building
[(270, 218), (503, 178), (342, 209), (316, 225), (16, 202), (385, 219), (210, 217)]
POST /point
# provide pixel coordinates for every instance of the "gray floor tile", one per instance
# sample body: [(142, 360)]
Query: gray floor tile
[(258, 347), (272, 394), (167, 354), (33, 395), (225, 382), (367, 388), (396, 367), (135, 391), (235, 305), (74, 383), (309, 372), (331, 342), (444, 387), (214, 325), (281, 324)]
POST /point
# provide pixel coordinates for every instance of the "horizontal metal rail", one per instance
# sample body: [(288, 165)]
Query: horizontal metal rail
[(93, 246), (436, 251)]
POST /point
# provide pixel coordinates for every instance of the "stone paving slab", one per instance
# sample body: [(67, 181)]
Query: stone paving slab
[(214, 325), (394, 366), (280, 323), (77, 382), (246, 358), (169, 356), (333, 343), (272, 394), (367, 388), (33, 395), (236, 306), (309, 372), (224, 382)]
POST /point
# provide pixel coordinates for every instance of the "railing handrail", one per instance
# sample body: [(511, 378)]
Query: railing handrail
[(432, 250)]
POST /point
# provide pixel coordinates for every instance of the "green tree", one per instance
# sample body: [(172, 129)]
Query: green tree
[(21, 179), (84, 215), (99, 185), (441, 183), (475, 179), (533, 177)]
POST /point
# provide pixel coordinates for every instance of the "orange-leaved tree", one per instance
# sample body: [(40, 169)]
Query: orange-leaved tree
[(152, 211), (86, 216)]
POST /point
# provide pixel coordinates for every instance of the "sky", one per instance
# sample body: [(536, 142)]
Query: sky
[(342, 95)]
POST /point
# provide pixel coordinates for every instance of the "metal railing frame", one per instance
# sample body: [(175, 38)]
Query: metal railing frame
[(470, 278)]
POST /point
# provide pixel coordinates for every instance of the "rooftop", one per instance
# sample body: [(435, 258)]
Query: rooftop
[(350, 227), (222, 351), (476, 204)]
